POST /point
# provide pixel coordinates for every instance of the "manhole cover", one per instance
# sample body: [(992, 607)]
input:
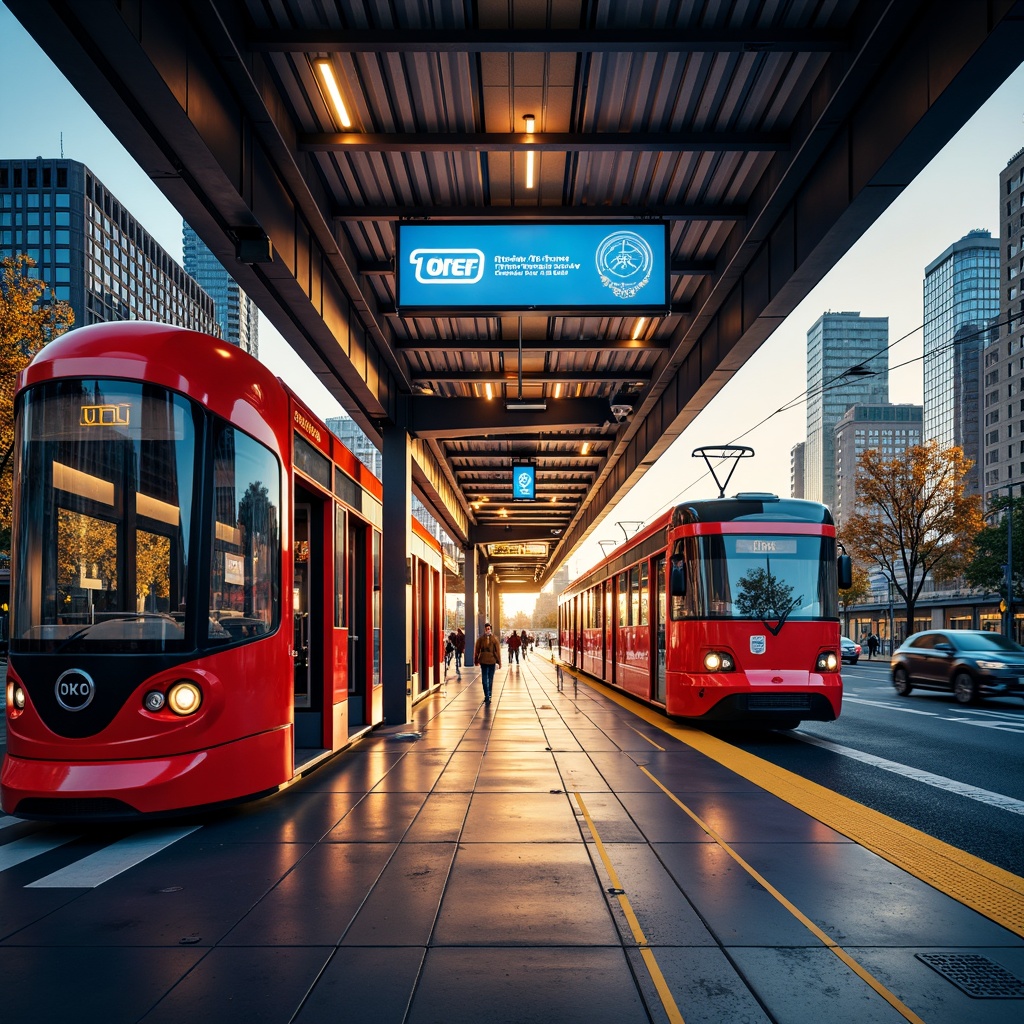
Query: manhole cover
[(978, 976)]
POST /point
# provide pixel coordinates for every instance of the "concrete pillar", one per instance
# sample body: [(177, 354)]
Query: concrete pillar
[(396, 586)]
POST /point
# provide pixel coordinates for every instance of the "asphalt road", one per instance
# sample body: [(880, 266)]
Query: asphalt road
[(954, 772)]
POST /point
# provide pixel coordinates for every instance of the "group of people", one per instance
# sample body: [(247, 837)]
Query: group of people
[(486, 653), (517, 642)]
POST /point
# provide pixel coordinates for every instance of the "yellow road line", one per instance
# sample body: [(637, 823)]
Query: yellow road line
[(990, 890), (664, 993), (861, 972)]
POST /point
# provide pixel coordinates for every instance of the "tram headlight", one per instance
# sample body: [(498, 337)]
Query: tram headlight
[(16, 696), (828, 661), (154, 700), (184, 698), (719, 661)]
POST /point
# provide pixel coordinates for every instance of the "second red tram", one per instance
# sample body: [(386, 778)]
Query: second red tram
[(721, 610), (196, 581)]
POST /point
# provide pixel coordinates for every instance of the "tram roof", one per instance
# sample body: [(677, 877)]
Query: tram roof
[(752, 508), (768, 138)]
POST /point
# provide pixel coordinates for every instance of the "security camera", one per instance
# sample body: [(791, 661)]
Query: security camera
[(621, 412)]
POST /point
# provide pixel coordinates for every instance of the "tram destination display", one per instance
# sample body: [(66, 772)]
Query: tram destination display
[(533, 267)]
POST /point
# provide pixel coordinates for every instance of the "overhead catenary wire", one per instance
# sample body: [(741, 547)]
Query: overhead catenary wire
[(842, 380)]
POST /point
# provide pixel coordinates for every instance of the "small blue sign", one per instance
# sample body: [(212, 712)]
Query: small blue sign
[(543, 267), (524, 481)]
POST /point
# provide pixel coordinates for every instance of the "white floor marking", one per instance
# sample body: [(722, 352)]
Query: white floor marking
[(984, 796), (104, 864), (25, 849)]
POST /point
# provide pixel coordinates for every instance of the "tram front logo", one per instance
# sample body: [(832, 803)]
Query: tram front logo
[(74, 689)]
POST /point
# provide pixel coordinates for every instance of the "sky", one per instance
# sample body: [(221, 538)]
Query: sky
[(881, 275)]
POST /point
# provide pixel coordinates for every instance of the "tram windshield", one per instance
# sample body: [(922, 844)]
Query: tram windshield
[(766, 577), (104, 502)]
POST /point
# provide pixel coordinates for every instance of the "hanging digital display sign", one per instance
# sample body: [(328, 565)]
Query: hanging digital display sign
[(524, 481), (533, 267)]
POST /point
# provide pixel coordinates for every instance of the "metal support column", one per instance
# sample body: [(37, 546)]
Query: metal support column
[(472, 626), (396, 587)]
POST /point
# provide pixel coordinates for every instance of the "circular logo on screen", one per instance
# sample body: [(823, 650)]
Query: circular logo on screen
[(74, 689), (624, 263), (524, 482)]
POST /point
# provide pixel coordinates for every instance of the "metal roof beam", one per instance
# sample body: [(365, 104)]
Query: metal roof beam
[(529, 344), (715, 212), (469, 417), (542, 142), (547, 377), (689, 40)]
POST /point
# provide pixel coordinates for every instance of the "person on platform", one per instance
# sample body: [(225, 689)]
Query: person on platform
[(460, 648), (524, 643), (514, 644), (487, 654)]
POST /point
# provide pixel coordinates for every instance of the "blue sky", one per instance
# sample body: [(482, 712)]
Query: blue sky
[(882, 275)]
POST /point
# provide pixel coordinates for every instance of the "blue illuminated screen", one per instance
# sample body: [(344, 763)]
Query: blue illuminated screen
[(509, 267)]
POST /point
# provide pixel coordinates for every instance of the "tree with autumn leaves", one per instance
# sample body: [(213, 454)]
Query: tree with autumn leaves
[(914, 517), (27, 323)]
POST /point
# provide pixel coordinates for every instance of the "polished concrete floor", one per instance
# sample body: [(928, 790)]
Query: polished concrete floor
[(550, 858)]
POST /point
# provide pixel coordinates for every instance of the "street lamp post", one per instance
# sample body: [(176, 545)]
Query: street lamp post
[(1009, 564), (892, 621)]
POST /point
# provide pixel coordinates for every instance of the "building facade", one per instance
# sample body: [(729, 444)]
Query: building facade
[(888, 429), (91, 251), (961, 306), (236, 312), (796, 470), (847, 364), (1002, 361)]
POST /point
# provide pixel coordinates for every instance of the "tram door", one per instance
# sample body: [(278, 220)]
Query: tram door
[(300, 607), (308, 621), (358, 622), (660, 605)]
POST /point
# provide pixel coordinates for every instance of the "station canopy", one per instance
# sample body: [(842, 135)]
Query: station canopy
[(536, 235)]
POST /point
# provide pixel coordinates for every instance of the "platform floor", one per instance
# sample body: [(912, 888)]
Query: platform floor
[(551, 858)]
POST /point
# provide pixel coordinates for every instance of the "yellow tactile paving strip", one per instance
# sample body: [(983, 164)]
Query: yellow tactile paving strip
[(991, 891)]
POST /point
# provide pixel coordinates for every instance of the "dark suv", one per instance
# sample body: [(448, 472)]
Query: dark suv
[(969, 663)]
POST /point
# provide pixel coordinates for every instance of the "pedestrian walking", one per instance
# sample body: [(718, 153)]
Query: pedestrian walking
[(487, 654), (514, 644), (460, 648), (872, 645)]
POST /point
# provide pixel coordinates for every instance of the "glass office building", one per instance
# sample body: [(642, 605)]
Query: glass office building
[(236, 312), (961, 305), (847, 364), (91, 251)]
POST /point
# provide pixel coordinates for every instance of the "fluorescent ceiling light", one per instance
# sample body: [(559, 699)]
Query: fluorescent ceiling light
[(525, 405), (331, 85), (530, 122)]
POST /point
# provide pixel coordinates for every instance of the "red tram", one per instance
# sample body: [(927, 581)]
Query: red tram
[(196, 581), (721, 610)]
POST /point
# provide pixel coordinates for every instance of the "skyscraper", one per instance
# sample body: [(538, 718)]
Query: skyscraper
[(961, 303), (1003, 398), (236, 312), (847, 364), (91, 251), (888, 429)]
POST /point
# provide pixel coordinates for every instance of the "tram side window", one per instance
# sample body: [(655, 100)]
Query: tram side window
[(644, 597), (245, 579), (623, 599), (634, 595), (690, 604)]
